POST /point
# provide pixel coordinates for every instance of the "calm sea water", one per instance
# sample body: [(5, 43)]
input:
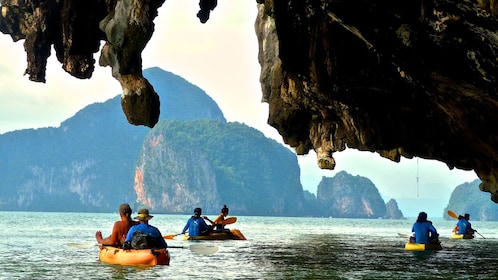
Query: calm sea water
[(34, 246)]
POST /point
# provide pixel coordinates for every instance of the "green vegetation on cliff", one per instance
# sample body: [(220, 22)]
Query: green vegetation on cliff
[(207, 164)]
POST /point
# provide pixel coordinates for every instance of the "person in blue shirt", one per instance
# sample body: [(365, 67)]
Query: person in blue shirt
[(154, 238), (461, 226), (424, 231), (470, 230), (196, 225)]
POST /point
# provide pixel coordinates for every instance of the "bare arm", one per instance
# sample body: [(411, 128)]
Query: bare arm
[(206, 218), (111, 239)]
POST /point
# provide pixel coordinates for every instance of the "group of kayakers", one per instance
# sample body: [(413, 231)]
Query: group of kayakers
[(424, 232), (128, 233), (196, 225)]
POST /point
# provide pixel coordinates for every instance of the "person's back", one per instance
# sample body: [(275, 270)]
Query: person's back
[(470, 230), (196, 225), (154, 236), (122, 228), (424, 231), (462, 226), (119, 229), (421, 230), (219, 221)]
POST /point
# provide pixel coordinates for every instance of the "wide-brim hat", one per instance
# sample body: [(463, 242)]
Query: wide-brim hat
[(143, 214)]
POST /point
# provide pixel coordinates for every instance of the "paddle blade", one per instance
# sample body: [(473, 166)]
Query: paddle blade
[(82, 245), (452, 214), (203, 249), (230, 220), (171, 236)]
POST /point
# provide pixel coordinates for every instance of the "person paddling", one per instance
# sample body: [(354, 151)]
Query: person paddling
[(461, 226), (423, 230), (143, 235), (218, 223), (119, 229), (469, 228), (196, 225)]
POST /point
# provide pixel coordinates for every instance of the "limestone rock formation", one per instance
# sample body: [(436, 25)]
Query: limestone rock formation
[(347, 196), (466, 198), (400, 78), (75, 29), (207, 163), (392, 210)]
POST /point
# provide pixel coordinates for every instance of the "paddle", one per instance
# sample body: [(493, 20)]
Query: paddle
[(402, 235), (203, 249), (479, 234), (454, 216), (230, 220), (171, 236), (82, 245), (226, 221)]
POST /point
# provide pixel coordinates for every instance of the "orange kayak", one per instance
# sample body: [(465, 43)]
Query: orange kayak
[(233, 234), (148, 257)]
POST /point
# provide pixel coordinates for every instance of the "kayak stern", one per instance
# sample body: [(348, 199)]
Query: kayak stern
[(146, 257)]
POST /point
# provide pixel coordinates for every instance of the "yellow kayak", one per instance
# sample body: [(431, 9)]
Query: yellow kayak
[(410, 246), (462, 236), (232, 234), (147, 257)]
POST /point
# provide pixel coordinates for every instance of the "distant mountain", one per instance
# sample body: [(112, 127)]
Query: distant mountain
[(88, 163), (347, 196), (192, 158), (467, 198), (392, 210)]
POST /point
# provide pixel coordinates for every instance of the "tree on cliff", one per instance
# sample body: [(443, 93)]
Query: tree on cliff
[(207, 163)]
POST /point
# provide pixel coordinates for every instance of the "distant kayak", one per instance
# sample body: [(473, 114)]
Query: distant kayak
[(146, 257), (232, 234), (410, 246), (462, 236)]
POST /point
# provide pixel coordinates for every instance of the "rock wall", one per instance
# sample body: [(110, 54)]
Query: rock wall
[(399, 78), (392, 210), (347, 196), (75, 29)]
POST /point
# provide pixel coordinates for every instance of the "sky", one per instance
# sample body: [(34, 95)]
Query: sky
[(220, 57)]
